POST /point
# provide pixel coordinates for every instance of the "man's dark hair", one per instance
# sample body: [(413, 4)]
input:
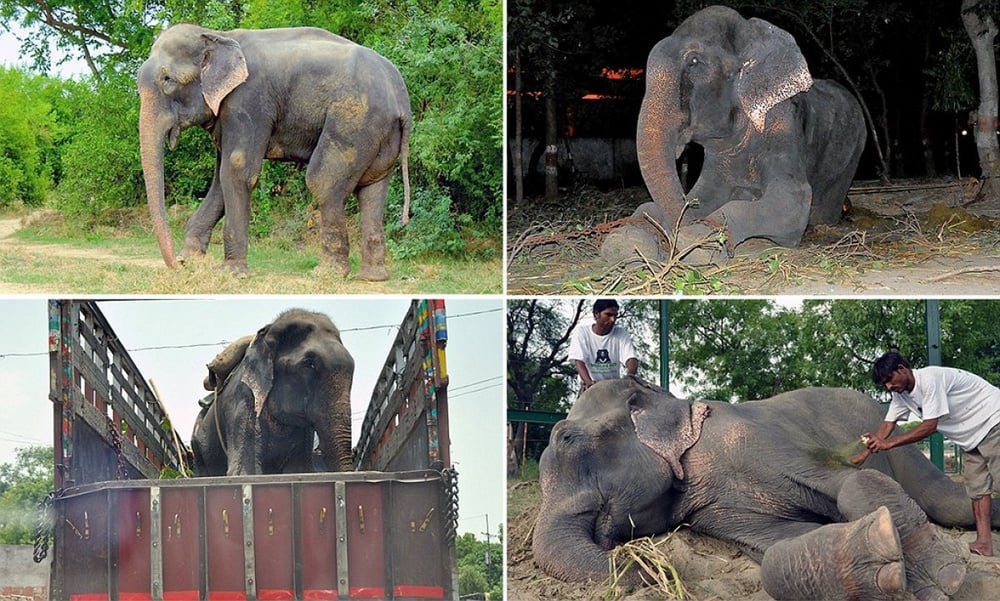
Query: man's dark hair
[(885, 365), (604, 303)]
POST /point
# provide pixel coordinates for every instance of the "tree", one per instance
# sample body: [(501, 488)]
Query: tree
[(479, 565), (29, 134), (978, 16), (538, 374), (23, 485)]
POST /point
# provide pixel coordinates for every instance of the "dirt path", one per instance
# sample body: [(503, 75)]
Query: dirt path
[(28, 253)]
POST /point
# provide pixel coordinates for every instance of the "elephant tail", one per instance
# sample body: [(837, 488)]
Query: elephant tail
[(404, 154)]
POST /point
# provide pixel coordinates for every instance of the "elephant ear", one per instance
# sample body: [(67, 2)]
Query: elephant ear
[(668, 426), (223, 67), (258, 369), (225, 362), (773, 71)]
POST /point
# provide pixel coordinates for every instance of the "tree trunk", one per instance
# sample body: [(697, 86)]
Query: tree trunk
[(517, 154), (927, 151), (982, 30), (551, 146)]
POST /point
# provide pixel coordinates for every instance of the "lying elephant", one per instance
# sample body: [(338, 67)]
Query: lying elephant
[(780, 148), (772, 477), (272, 394)]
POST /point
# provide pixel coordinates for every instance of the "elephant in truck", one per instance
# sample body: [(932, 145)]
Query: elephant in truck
[(272, 394), (772, 476)]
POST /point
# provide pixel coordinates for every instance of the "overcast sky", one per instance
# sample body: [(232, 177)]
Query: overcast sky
[(474, 359)]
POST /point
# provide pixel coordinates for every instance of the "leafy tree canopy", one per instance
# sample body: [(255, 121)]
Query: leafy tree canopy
[(23, 485)]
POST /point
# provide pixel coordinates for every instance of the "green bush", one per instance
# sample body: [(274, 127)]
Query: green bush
[(28, 134), (432, 229)]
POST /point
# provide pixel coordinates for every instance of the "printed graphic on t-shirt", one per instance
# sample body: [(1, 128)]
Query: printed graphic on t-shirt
[(602, 367)]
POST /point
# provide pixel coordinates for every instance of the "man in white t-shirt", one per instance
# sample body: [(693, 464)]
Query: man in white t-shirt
[(599, 349), (962, 406)]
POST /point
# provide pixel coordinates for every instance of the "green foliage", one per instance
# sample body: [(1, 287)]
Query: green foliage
[(448, 51), (29, 133), (480, 565), (432, 228), (101, 170), (450, 55), (23, 485)]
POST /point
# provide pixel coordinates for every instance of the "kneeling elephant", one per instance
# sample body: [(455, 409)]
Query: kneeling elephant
[(772, 477)]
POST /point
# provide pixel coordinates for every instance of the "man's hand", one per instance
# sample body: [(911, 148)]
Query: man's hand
[(876, 443)]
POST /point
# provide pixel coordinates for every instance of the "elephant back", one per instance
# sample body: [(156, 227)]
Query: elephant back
[(225, 362)]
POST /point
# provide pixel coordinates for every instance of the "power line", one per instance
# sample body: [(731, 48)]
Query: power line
[(227, 342)]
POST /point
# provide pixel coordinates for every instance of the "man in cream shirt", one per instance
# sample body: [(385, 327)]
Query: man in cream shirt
[(599, 349), (962, 406)]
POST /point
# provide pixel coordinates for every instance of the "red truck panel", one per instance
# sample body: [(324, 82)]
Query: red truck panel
[(356, 535)]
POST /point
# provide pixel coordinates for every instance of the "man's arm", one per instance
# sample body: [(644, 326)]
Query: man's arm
[(632, 366), (581, 369), (883, 431), (884, 443)]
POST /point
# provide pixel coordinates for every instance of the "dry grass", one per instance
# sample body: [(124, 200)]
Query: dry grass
[(649, 557), (551, 256)]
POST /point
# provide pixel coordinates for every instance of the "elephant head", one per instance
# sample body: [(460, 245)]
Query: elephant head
[(190, 70), (591, 499), (275, 389), (714, 78)]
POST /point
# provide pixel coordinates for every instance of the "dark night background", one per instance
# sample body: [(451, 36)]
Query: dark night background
[(910, 62)]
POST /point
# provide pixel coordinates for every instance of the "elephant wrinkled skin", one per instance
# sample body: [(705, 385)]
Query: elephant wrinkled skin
[(771, 476), (297, 94), (780, 149), (272, 394)]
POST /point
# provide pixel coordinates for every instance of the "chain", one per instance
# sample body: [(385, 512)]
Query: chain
[(451, 500), (43, 529), (121, 471)]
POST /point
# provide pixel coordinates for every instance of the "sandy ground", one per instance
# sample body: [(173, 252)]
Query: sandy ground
[(912, 238), (710, 569)]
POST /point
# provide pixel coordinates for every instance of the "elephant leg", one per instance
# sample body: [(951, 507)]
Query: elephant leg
[(945, 501), (935, 564), (209, 212), (241, 162), (854, 560), (780, 215), (371, 201), (331, 178)]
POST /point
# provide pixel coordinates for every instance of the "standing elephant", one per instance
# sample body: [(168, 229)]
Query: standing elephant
[(297, 94), (772, 477), (780, 149), (272, 394)]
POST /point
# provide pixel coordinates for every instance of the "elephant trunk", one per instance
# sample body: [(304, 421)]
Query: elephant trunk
[(564, 546), (659, 140), (153, 130)]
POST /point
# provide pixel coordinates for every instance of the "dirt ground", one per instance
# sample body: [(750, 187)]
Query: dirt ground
[(927, 237), (709, 569)]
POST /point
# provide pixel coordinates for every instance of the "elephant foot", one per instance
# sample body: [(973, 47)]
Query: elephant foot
[(236, 267), (633, 242), (638, 239), (698, 244), (862, 559), (373, 273), (935, 563)]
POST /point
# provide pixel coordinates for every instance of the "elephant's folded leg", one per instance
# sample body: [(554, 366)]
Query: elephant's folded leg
[(854, 560), (649, 234), (634, 241), (935, 564)]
